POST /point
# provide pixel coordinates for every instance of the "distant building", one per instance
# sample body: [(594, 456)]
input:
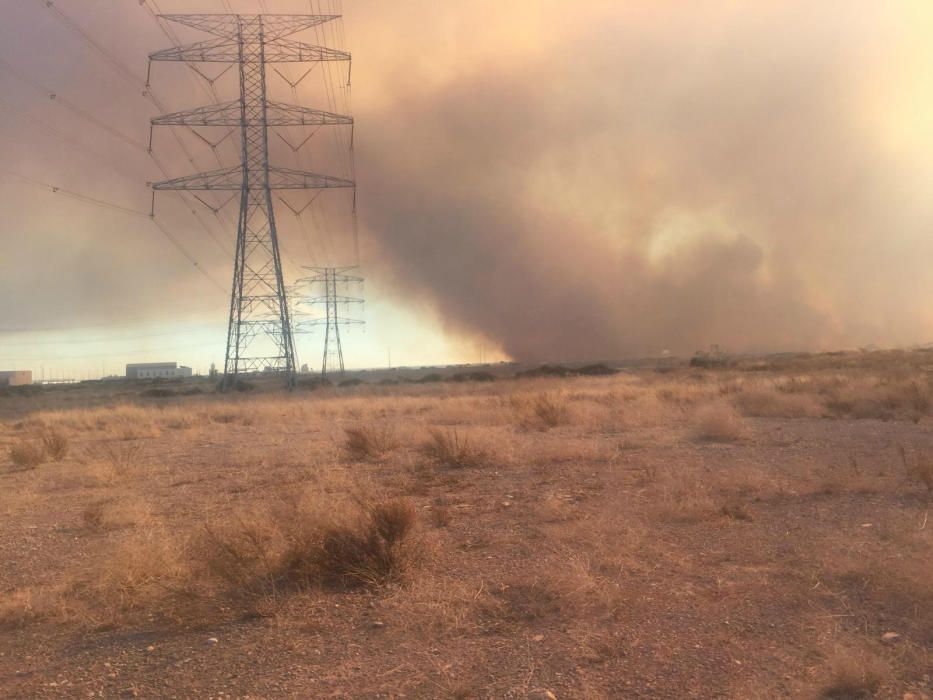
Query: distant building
[(16, 378), (157, 370)]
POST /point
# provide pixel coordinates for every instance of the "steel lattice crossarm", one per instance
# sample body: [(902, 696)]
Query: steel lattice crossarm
[(228, 51), (314, 324), (339, 274), (275, 26), (231, 179), (230, 114), (336, 299)]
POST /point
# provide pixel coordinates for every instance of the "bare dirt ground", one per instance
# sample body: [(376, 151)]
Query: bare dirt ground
[(757, 531)]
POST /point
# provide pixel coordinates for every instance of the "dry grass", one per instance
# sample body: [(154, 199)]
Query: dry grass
[(852, 676), (23, 607), (770, 402), (550, 410), (27, 454), (112, 462), (372, 441), (150, 570), (305, 544), (718, 422), (541, 411), (919, 470), (452, 450), (117, 513), (55, 444), (682, 497)]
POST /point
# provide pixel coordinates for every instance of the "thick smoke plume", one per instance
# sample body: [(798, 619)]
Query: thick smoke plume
[(656, 179)]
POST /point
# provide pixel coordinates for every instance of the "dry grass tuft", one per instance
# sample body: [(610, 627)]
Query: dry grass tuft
[(683, 499), (853, 676), (299, 546), (921, 470), (718, 422), (26, 454), (23, 607), (371, 551), (769, 402), (734, 509), (142, 572), (370, 441), (447, 448), (542, 411), (550, 410), (114, 461), (115, 514), (55, 444)]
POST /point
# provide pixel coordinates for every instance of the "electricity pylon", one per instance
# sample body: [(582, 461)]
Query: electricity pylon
[(259, 335), (331, 279)]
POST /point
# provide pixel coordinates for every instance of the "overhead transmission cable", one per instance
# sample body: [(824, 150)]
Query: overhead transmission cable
[(44, 90), (126, 73), (104, 204)]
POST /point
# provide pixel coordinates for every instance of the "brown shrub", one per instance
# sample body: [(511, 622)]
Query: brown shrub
[(26, 454), (718, 422), (55, 445), (115, 514), (22, 607), (93, 516), (768, 402), (449, 449), (440, 516), (370, 441), (369, 552), (852, 676), (683, 500), (550, 410), (883, 398), (920, 471), (114, 461), (299, 546), (735, 510), (142, 571)]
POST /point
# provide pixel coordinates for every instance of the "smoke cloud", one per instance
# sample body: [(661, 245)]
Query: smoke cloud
[(657, 179)]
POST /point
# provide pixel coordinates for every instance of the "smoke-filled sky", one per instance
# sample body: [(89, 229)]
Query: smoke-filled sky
[(537, 180)]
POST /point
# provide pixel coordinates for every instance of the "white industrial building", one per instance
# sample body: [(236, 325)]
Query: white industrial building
[(16, 378), (157, 370)]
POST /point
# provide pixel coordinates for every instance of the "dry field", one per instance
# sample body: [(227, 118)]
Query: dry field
[(760, 531)]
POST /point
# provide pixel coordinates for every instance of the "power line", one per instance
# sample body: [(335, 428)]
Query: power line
[(55, 189), (190, 258), (100, 355), (66, 138), (94, 201), (58, 99), (80, 146), (89, 341), (104, 54)]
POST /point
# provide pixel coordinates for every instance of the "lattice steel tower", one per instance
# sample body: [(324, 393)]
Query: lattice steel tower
[(259, 336), (330, 280)]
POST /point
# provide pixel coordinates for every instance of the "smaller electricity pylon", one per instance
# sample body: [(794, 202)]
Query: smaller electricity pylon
[(331, 281)]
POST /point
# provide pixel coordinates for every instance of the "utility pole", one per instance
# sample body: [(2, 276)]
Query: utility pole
[(260, 334), (331, 280)]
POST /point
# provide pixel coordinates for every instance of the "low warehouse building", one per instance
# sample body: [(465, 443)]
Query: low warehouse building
[(16, 378), (157, 370)]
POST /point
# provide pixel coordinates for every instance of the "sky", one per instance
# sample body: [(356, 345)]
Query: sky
[(537, 180)]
